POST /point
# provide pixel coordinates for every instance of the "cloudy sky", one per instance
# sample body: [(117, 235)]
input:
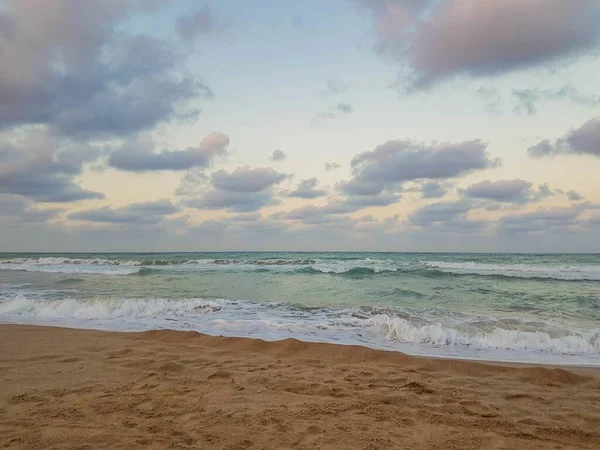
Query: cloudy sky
[(398, 125)]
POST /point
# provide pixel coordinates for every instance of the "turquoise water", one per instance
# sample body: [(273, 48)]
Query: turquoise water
[(497, 306)]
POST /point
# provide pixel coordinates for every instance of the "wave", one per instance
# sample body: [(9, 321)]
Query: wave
[(348, 267), (72, 266), (106, 308), (560, 342), (384, 328), (565, 273), (101, 266)]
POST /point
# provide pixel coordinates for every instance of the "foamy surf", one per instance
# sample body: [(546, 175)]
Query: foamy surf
[(365, 326), (70, 267), (100, 266), (567, 273), (495, 307)]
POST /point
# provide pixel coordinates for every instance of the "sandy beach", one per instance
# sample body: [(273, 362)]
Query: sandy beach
[(80, 389)]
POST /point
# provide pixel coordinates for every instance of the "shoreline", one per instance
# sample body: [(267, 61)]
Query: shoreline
[(75, 388), (499, 362)]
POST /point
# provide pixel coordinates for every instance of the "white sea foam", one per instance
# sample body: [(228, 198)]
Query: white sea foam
[(55, 265), (101, 266), (569, 273), (275, 321), (338, 266), (560, 342), (106, 308)]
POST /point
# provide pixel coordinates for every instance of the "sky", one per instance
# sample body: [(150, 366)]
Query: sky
[(336, 125)]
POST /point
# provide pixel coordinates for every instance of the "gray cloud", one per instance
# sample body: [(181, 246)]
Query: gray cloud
[(334, 212), (278, 156), (542, 220), (353, 203), (344, 107), (310, 215), (73, 69), (19, 210), (334, 111), (42, 167), (136, 213), (243, 190), (138, 155), (240, 202), (584, 140), (574, 196), (246, 179), (508, 191), (528, 99), (336, 86), (246, 217), (307, 189), (434, 189), (396, 162), (439, 40), (331, 166), (440, 212), (191, 25)]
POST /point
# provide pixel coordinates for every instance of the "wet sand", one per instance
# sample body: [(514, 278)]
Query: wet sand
[(79, 389)]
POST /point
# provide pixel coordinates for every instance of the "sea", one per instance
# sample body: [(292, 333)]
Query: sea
[(538, 308)]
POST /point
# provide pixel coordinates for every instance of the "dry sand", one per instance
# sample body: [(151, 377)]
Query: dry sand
[(76, 389)]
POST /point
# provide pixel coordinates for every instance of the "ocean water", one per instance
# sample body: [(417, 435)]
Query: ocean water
[(503, 307)]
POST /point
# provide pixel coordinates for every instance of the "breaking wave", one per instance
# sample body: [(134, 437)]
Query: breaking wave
[(566, 273), (120, 267), (385, 328), (106, 308), (558, 341), (350, 267)]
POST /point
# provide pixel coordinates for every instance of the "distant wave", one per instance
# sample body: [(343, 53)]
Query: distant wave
[(567, 273), (284, 320), (100, 266), (347, 267), (72, 266)]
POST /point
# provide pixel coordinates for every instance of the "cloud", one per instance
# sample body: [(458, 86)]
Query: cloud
[(243, 190), (334, 111), (232, 201), (43, 167), (508, 191), (331, 166), (344, 107), (440, 212), (336, 86), (278, 156), (75, 70), (584, 140), (246, 179), (19, 210), (440, 39), (136, 213), (190, 26), (307, 189), (543, 220), (492, 99), (527, 99), (434, 189), (353, 203), (334, 212), (310, 215), (395, 162), (138, 155), (574, 196)]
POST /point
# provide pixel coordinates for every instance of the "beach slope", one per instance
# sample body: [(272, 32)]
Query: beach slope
[(81, 389)]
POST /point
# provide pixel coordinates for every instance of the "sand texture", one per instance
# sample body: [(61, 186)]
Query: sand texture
[(76, 389)]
